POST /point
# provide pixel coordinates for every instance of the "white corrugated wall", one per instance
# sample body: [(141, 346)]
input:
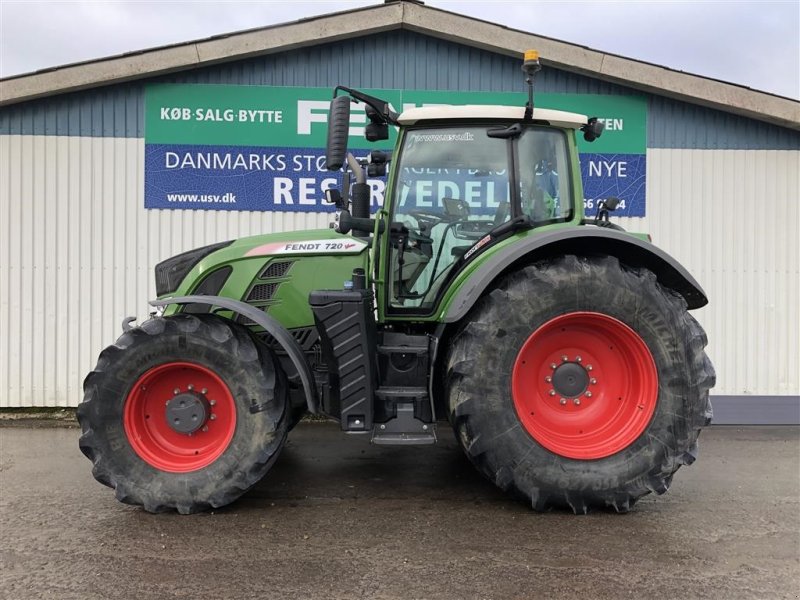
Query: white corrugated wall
[(732, 218), (77, 251)]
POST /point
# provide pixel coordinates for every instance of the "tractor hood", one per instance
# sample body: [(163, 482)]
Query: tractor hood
[(315, 241), (178, 272)]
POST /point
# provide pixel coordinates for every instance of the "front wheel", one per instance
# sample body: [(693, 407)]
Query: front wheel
[(580, 383), (185, 412)]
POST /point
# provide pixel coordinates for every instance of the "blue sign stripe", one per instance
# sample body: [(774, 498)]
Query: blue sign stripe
[(293, 180)]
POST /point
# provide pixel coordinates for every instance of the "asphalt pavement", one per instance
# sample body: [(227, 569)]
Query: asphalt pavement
[(338, 518)]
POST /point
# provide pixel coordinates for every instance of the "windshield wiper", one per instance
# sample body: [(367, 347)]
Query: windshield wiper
[(505, 133)]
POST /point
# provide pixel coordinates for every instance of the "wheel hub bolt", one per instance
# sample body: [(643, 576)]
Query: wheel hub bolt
[(552, 392), (548, 379), (205, 427), (212, 402), (577, 401), (588, 394), (593, 380), (176, 391), (190, 387), (562, 401), (578, 359), (553, 366), (588, 367), (212, 417), (204, 391), (565, 358)]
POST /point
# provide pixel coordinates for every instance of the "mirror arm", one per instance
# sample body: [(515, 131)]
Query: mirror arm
[(380, 106)]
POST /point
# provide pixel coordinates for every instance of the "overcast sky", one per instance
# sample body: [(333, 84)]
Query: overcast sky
[(751, 43)]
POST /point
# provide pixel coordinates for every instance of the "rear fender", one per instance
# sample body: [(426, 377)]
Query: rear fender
[(583, 241), (272, 326)]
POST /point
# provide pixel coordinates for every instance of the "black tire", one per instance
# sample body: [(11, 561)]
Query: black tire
[(257, 387), (479, 374)]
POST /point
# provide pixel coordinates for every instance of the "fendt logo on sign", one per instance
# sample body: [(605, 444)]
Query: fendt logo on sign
[(226, 147)]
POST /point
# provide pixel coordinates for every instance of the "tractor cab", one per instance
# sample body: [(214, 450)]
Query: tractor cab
[(466, 177), (463, 178)]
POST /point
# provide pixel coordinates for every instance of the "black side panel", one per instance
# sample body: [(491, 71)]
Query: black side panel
[(346, 326)]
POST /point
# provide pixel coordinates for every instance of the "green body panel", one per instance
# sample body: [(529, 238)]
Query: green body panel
[(464, 276), (314, 269)]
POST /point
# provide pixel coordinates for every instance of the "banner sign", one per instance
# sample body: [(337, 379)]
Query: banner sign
[(231, 147)]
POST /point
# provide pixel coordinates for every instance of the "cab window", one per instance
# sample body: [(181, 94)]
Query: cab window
[(543, 167), (452, 187)]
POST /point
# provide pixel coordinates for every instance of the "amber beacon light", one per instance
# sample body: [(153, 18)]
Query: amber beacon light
[(530, 65)]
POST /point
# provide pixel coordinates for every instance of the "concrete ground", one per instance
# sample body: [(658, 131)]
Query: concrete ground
[(338, 518)]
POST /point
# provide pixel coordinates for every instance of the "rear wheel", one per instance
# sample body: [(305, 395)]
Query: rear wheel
[(185, 412), (580, 383)]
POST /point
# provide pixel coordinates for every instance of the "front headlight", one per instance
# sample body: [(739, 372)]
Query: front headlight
[(170, 273)]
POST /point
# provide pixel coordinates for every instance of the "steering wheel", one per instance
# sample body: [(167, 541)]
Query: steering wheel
[(420, 214), (427, 220)]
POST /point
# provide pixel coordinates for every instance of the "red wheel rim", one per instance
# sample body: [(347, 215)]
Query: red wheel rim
[(585, 385), (152, 437)]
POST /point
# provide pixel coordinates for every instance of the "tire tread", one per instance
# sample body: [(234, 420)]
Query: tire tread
[(490, 314)]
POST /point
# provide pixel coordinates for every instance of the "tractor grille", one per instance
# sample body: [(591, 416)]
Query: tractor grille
[(262, 292), (265, 292), (307, 337), (276, 269)]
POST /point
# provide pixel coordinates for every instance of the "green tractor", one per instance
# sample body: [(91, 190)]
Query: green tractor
[(558, 346)]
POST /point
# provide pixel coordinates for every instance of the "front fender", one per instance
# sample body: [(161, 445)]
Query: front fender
[(583, 240), (270, 325)]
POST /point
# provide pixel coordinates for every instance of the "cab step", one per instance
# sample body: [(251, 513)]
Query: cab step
[(404, 429)]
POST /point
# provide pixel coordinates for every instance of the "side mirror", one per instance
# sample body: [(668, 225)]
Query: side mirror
[(376, 130), (592, 130), (603, 208), (338, 130), (377, 163)]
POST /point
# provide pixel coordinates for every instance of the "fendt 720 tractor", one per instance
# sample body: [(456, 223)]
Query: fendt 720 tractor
[(557, 345)]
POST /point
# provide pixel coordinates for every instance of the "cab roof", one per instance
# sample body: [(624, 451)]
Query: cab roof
[(557, 118)]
